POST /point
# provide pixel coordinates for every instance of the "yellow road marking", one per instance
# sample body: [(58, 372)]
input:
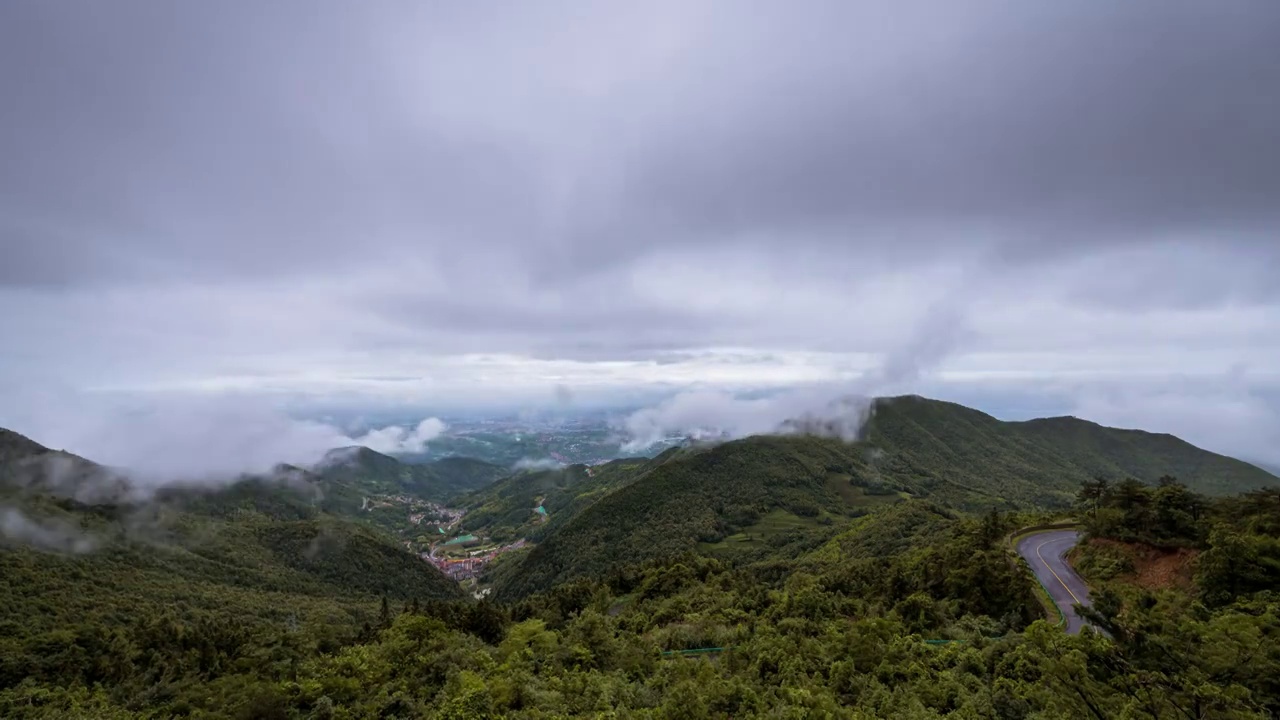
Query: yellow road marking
[(1055, 574)]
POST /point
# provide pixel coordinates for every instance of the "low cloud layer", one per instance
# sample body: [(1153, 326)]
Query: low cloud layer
[(537, 464), (828, 409), (396, 439), (180, 439), (51, 535), (716, 414)]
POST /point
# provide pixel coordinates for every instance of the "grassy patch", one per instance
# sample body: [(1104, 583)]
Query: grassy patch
[(770, 526), (856, 495)]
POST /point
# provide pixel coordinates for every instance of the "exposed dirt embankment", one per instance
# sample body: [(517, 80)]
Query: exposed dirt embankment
[(1137, 563)]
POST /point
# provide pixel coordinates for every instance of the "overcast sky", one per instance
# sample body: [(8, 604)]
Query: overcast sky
[(1067, 207)]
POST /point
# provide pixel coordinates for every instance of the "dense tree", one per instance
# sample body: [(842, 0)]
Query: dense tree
[(837, 632), (1092, 493), (910, 609)]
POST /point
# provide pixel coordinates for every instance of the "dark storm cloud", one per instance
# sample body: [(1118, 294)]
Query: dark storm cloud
[(235, 139), (1070, 124), (147, 139)]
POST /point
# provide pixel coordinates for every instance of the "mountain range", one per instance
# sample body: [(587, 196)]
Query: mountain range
[(80, 533), (761, 496), (753, 498), (191, 600)]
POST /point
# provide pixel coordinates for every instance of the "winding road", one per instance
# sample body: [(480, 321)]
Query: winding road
[(1046, 554)]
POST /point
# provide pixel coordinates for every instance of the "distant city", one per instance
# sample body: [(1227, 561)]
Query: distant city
[(512, 441)]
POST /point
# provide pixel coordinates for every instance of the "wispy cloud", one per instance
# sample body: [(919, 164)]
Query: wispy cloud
[(165, 440), (52, 535), (397, 439), (537, 464), (837, 410)]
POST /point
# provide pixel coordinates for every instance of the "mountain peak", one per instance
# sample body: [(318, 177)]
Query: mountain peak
[(13, 444), (355, 456), (26, 464)]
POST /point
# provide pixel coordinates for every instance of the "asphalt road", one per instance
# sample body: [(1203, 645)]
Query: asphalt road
[(1046, 554)]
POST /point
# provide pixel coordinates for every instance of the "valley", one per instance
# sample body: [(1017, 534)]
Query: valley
[(511, 441), (817, 565), (759, 498)]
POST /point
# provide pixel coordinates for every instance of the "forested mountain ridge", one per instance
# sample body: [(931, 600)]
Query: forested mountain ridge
[(252, 602), (1269, 467), (372, 472), (506, 509), (760, 495), (28, 466), (339, 483), (1114, 452), (258, 558), (463, 474), (15, 446), (705, 496), (355, 483), (971, 459)]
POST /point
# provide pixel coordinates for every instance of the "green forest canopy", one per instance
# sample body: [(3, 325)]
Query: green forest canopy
[(823, 566)]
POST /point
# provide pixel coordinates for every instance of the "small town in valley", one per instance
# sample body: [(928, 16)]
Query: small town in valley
[(460, 557), (468, 566)]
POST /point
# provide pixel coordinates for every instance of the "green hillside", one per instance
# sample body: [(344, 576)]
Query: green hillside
[(28, 466), (505, 510), (830, 590), (462, 474), (1269, 467), (972, 460), (911, 611), (148, 596), (771, 496), (275, 527), (373, 473), (15, 447), (761, 486), (254, 559), (356, 483)]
